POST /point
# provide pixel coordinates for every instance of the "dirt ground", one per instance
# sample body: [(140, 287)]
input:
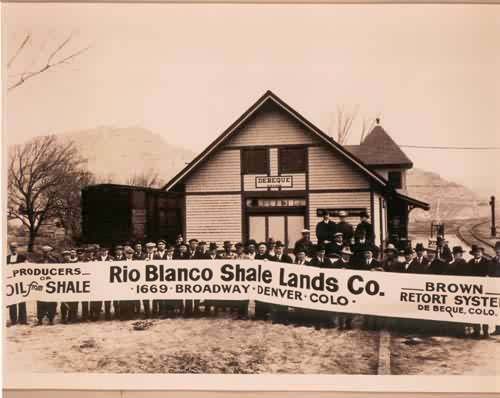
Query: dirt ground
[(190, 346), (440, 355)]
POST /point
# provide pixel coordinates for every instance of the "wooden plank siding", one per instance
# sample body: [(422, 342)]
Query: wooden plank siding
[(327, 170), (376, 221), (220, 173), (335, 200), (213, 218), (272, 127)]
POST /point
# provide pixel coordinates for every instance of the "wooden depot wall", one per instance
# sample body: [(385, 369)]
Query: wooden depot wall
[(215, 192)]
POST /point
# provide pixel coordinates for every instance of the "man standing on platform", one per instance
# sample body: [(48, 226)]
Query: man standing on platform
[(364, 228), (346, 228), (325, 230), (17, 312)]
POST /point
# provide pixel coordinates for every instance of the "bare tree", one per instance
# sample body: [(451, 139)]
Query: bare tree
[(344, 121), (150, 179), (55, 58), (41, 173)]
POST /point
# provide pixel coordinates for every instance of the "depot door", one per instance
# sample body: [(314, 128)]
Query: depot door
[(286, 228)]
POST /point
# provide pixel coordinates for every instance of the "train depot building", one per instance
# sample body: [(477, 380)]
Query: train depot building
[(272, 173)]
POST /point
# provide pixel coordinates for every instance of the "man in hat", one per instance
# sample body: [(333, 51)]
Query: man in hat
[(320, 260), (227, 254), (419, 263), (17, 312), (271, 245), (69, 309), (279, 254), (390, 262), (118, 253), (346, 228), (80, 254), (149, 256), (138, 253), (369, 262), (305, 243), (201, 250), (435, 266), (300, 256), (443, 252), (262, 252), (334, 248), (73, 256), (46, 308), (457, 265), (478, 265), (344, 319), (240, 251), (251, 249), (364, 228), (179, 240), (96, 306), (181, 252), (325, 229), (193, 248), (161, 253), (88, 256)]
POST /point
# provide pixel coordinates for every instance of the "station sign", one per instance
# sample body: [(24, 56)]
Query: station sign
[(274, 182), (276, 202)]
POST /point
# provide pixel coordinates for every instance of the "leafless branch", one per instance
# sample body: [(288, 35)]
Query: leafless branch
[(24, 43), (51, 62)]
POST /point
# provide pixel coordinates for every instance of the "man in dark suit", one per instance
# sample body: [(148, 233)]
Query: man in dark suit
[(300, 256), (158, 308), (435, 266), (69, 309), (390, 262), (138, 253), (96, 306), (181, 252), (364, 228), (344, 320), (17, 312), (46, 308), (279, 313), (419, 263), (262, 252), (346, 228), (334, 248), (478, 266), (201, 251), (193, 248), (457, 265), (320, 260), (305, 243), (325, 230)]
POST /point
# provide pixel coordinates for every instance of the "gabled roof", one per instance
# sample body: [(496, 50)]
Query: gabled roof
[(378, 149), (270, 97)]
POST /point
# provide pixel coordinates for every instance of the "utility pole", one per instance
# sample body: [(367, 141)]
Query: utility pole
[(493, 223)]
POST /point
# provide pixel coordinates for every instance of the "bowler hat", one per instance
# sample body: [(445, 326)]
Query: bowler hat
[(271, 241), (419, 247), (319, 247), (238, 244), (251, 242), (161, 241), (227, 243), (300, 249), (213, 246), (201, 243), (390, 248), (475, 248), (263, 243), (193, 240), (457, 249), (279, 244), (346, 250)]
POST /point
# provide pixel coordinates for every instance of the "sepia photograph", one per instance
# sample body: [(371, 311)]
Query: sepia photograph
[(251, 189)]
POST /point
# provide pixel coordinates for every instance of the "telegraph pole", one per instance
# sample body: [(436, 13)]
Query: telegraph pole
[(493, 223)]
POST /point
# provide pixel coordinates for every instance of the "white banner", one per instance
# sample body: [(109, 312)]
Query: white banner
[(435, 297)]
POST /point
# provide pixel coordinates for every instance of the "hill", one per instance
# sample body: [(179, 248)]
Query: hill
[(449, 200), (118, 154)]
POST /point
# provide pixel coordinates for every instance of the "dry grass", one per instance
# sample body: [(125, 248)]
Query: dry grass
[(190, 346)]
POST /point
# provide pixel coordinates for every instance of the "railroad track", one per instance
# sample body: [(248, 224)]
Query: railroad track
[(470, 236)]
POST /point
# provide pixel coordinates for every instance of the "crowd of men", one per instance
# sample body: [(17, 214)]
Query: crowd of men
[(339, 245)]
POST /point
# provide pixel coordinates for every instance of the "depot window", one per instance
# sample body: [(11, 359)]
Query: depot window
[(292, 160), (255, 161)]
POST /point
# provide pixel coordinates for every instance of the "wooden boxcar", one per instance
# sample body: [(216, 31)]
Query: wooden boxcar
[(113, 214)]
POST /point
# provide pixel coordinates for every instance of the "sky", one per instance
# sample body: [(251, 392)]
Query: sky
[(187, 71)]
